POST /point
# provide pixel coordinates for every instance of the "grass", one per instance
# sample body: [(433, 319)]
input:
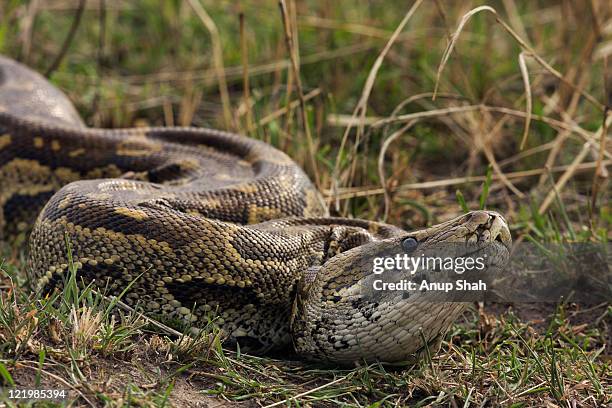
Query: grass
[(72, 341), (331, 83)]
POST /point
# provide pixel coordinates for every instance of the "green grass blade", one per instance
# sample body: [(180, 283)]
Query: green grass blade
[(461, 201), (4, 373), (485, 188)]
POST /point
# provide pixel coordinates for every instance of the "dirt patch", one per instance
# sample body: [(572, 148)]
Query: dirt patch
[(107, 378)]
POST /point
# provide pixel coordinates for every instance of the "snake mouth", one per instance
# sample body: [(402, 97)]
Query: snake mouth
[(489, 235), (475, 229)]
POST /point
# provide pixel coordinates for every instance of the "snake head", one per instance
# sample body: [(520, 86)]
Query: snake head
[(338, 317)]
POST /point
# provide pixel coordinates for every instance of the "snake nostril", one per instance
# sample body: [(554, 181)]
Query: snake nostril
[(499, 239), (409, 244)]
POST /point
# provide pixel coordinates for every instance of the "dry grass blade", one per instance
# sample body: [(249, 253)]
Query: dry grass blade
[(528, 98), (26, 25), (294, 104), (168, 112), (526, 153), (381, 163), (574, 165), (354, 192), (303, 394), (572, 127), (595, 14), (426, 114), (515, 18), (291, 49), (601, 172), (344, 120), (359, 29), (558, 187), (493, 162), (453, 41), (217, 51), (481, 138), (245, 76), (153, 322), (361, 108), (568, 104), (466, 17), (85, 324), (69, 37), (554, 152), (288, 14)]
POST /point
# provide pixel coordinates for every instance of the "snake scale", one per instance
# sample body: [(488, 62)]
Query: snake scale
[(208, 223)]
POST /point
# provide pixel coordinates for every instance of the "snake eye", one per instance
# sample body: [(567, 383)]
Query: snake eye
[(409, 244)]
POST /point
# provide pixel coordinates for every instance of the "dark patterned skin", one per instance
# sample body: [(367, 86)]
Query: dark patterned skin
[(205, 224)]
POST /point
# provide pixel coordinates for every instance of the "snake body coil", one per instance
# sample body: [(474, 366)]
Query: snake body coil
[(204, 222)]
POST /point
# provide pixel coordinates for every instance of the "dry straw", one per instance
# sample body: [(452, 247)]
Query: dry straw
[(217, 52), (361, 108), (449, 49), (291, 40), (528, 98)]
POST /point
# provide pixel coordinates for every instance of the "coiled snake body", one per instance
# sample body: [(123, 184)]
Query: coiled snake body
[(204, 223)]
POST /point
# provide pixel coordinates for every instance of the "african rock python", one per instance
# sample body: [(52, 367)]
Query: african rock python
[(207, 223)]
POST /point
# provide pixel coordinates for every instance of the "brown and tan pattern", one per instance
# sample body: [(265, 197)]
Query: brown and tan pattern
[(207, 224)]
